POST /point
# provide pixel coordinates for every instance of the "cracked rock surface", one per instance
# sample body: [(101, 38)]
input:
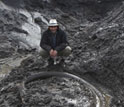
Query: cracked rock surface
[(95, 30)]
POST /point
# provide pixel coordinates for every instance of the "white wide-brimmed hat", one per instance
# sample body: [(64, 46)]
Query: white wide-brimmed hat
[(53, 22)]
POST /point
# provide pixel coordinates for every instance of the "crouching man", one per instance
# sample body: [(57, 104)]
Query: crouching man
[(54, 43)]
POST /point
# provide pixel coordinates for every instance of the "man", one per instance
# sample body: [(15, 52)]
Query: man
[(54, 43)]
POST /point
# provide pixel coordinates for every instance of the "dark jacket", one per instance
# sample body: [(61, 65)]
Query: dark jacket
[(47, 40)]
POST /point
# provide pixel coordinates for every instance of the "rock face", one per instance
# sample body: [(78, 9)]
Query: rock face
[(95, 30)]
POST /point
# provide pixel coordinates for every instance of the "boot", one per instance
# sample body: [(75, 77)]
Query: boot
[(50, 61), (62, 61)]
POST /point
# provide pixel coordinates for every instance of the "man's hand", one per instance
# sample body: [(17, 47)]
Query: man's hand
[(53, 53)]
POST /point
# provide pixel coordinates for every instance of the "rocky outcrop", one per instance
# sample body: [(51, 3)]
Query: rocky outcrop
[(95, 30)]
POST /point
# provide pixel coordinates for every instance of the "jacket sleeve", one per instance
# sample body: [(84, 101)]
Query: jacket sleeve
[(63, 44), (43, 43)]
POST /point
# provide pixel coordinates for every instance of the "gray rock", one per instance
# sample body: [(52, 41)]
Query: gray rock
[(95, 30)]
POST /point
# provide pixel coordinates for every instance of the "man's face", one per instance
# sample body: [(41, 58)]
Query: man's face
[(53, 29)]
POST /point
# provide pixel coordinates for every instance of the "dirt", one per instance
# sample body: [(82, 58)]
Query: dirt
[(52, 92), (95, 32)]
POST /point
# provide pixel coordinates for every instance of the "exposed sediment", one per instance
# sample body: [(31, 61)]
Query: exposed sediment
[(95, 30)]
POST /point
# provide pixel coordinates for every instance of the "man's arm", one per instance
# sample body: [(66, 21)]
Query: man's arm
[(63, 44), (43, 43)]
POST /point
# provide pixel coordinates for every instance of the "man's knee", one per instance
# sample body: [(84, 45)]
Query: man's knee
[(66, 52), (44, 53)]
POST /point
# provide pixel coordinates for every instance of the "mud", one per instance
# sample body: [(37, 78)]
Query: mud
[(95, 30), (52, 92)]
